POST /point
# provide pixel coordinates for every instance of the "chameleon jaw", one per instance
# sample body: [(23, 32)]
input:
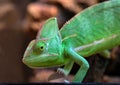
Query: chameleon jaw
[(44, 60)]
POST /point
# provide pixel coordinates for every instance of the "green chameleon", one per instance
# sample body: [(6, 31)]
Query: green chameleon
[(91, 31)]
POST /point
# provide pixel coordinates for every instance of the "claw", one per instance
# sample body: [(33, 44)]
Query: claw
[(61, 71)]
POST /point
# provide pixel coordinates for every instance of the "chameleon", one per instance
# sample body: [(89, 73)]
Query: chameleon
[(94, 30)]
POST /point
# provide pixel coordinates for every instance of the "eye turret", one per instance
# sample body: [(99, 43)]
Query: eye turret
[(39, 47)]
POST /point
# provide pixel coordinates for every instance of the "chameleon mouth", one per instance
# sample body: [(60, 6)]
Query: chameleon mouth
[(41, 56), (40, 61), (46, 55)]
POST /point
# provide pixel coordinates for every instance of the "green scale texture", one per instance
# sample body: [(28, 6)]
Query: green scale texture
[(94, 24)]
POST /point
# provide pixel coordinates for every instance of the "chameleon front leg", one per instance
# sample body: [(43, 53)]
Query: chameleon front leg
[(67, 68), (62, 72), (84, 65)]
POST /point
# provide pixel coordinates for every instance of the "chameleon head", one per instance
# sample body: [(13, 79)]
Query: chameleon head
[(46, 50)]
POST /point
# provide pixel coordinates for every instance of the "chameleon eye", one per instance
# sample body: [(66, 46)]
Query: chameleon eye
[(39, 47), (42, 47)]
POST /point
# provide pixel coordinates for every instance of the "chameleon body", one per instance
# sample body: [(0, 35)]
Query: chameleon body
[(94, 30)]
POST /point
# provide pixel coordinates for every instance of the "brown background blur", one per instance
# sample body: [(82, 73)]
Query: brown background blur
[(20, 21)]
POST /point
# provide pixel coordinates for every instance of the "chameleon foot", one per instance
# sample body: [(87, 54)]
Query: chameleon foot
[(61, 71), (59, 74), (55, 76)]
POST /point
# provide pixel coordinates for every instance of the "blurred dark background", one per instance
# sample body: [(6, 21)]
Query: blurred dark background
[(20, 21)]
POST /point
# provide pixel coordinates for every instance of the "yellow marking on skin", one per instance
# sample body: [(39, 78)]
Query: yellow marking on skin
[(95, 43), (46, 55), (73, 35)]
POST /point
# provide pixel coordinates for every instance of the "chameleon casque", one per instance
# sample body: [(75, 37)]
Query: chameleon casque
[(91, 31)]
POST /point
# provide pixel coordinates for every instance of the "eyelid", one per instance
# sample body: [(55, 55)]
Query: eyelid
[(44, 41), (44, 45)]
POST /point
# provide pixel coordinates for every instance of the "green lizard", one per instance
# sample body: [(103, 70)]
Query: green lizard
[(94, 30)]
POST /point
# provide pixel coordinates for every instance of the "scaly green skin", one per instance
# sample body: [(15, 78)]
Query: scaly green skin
[(92, 31)]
